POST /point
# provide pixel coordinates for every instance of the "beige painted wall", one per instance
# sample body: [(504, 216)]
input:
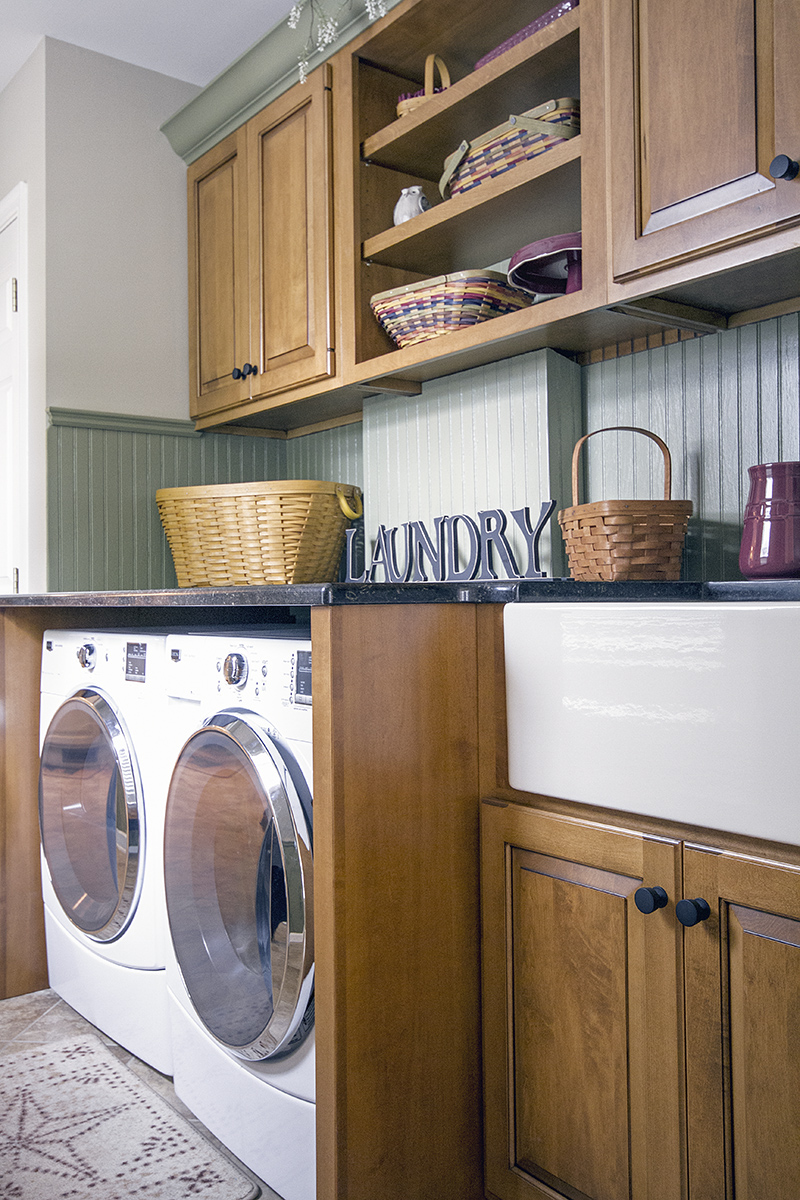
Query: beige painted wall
[(117, 335), (107, 289)]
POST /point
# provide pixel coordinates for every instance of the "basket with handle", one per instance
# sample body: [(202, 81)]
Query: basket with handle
[(408, 101), (625, 539), (283, 531)]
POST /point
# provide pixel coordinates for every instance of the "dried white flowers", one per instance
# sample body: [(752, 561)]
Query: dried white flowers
[(323, 28)]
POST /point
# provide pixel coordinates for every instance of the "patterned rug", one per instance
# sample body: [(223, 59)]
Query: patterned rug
[(76, 1124)]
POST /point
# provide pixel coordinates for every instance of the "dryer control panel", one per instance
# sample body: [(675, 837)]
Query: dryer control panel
[(271, 675)]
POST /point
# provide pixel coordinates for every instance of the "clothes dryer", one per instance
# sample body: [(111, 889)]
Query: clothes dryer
[(239, 889), (102, 795)]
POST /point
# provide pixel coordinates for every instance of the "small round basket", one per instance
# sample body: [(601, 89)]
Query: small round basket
[(285, 531), (625, 539)]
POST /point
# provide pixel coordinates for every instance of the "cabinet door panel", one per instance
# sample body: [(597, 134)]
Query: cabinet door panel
[(582, 1002), (570, 1019), (765, 1051), (742, 1009), (219, 323), (703, 98), (290, 207)]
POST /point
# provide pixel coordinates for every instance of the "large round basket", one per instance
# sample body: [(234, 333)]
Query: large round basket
[(625, 539), (286, 531)]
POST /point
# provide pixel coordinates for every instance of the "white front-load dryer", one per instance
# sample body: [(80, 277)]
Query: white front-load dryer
[(102, 795), (239, 888)]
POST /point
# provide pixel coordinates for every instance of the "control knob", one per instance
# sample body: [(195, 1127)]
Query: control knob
[(87, 656), (234, 669)]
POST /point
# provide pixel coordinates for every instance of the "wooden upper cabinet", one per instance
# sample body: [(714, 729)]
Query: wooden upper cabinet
[(219, 306), (290, 205), (260, 277), (703, 98)]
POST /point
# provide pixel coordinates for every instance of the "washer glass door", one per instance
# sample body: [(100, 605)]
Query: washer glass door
[(89, 815), (238, 874)]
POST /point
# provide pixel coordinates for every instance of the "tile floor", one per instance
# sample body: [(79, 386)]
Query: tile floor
[(42, 1017)]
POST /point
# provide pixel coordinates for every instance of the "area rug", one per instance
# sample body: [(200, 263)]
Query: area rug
[(76, 1124)]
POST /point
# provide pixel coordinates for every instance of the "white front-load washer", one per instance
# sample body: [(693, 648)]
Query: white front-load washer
[(102, 795), (239, 888)]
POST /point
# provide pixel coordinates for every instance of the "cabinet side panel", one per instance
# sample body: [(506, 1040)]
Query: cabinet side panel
[(396, 898)]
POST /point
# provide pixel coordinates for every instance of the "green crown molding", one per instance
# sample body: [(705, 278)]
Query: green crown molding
[(248, 85), (79, 418)]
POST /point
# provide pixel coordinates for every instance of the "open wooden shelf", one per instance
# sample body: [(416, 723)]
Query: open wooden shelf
[(536, 199), (420, 141)]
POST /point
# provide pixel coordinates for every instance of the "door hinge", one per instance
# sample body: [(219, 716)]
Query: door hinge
[(14, 295), (16, 581)]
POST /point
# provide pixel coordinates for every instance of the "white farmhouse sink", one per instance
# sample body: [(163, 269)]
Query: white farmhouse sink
[(690, 712)]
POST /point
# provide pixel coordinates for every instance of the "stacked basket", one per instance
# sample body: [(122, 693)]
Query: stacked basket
[(288, 531), (425, 310)]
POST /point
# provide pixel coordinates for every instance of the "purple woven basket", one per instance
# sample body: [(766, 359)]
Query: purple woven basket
[(546, 19)]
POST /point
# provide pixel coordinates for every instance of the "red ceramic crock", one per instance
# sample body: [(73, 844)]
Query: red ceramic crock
[(771, 537)]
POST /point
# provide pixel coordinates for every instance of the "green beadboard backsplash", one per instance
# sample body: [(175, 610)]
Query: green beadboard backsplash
[(104, 531), (722, 403)]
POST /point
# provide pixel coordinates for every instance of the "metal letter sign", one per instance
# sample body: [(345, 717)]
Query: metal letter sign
[(460, 549)]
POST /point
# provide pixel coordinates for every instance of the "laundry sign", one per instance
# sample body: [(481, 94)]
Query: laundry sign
[(457, 549)]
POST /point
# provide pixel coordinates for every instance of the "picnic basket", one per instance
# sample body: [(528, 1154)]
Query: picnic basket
[(427, 309), (518, 139), (284, 531), (625, 539)]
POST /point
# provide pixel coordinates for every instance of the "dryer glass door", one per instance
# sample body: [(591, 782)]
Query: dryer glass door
[(89, 819), (238, 874)]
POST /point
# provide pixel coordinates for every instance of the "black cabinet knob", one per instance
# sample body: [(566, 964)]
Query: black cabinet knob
[(783, 167), (691, 912), (236, 373), (647, 900), (248, 369)]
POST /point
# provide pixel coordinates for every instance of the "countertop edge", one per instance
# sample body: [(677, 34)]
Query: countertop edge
[(314, 595)]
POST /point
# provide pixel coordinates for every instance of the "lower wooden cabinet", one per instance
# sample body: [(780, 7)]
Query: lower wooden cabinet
[(627, 1056)]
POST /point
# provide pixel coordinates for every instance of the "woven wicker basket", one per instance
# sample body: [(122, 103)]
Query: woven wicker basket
[(432, 307), (518, 139), (625, 539), (288, 531), (408, 101)]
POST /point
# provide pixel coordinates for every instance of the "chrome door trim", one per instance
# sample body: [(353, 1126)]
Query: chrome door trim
[(290, 953), (128, 814)]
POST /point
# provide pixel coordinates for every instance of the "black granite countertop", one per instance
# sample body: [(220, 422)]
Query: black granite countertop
[(313, 595)]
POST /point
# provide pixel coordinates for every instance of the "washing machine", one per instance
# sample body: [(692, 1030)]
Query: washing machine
[(238, 869), (102, 797)]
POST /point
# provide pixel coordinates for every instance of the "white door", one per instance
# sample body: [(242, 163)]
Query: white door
[(13, 399)]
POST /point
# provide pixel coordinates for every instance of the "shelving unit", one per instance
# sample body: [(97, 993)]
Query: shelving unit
[(486, 225)]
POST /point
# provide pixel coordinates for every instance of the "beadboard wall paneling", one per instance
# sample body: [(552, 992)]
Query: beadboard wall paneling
[(722, 403), (332, 454), (103, 473), (498, 436)]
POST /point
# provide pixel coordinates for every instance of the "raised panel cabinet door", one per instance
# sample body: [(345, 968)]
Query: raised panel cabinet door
[(703, 98), (219, 307), (743, 1028), (582, 1011), (289, 154)]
